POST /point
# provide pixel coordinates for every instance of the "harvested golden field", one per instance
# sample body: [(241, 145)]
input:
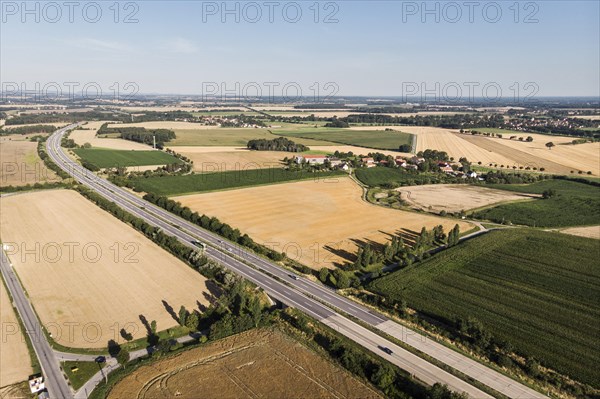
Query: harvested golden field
[(90, 274), (89, 136), (318, 223), (455, 197), (254, 364), (15, 364), (584, 157), (21, 163), (589, 232), (523, 155), (206, 159), (445, 140)]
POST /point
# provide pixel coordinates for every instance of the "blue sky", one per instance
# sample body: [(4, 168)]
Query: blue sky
[(375, 48)]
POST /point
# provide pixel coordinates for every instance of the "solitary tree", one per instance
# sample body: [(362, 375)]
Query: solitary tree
[(550, 145)]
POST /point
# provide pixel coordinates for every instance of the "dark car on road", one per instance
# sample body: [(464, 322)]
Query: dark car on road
[(386, 350)]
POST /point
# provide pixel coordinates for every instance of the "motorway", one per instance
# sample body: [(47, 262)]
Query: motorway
[(314, 299)]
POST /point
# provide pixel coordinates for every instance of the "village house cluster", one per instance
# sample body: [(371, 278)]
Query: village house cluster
[(413, 163)]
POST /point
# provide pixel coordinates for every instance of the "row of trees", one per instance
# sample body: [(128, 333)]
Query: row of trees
[(22, 130)]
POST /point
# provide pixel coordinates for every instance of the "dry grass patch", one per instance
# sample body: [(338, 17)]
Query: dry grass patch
[(89, 136), (588, 232), (255, 364), (21, 164), (96, 289), (15, 364), (319, 223), (455, 197)]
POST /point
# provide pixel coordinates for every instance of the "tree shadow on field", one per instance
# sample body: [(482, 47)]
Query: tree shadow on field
[(410, 236), (170, 310), (201, 307), (342, 253), (145, 323), (373, 244), (213, 292)]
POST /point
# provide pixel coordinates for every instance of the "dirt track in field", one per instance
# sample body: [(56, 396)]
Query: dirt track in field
[(455, 197)]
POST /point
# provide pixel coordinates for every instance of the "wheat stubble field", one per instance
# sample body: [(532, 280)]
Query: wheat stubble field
[(21, 164), (318, 223), (15, 365), (90, 285), (89, 136), (254, 364)]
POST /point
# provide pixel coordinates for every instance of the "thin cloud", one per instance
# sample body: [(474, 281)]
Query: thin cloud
[(180, 45), (100, 45)]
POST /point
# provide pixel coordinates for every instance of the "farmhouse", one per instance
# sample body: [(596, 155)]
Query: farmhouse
[(446, 169), (369, 162), (335, 161), (311, 159), (417, 160)]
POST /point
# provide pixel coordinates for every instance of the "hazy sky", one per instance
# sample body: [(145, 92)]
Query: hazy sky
[(379, 48)]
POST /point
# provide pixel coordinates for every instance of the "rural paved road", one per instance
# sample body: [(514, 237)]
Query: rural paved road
[(55, 382), (316, 300)]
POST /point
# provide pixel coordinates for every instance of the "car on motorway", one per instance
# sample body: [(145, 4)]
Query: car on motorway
[(386, 350), (293, 276), (198, 244)]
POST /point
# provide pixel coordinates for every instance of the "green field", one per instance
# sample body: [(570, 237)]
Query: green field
[(537, 290), (106, 158), (86, 370), (187, 184), (381, 176), (375, 139), (226, 137), (575, 204)]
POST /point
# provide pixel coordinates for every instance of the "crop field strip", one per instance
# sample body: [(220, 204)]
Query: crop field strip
[(517, 285), (575, 204), (385, 140), (178, 185), (106, 158)]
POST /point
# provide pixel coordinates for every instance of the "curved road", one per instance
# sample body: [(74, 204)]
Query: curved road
[(314, 299)]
